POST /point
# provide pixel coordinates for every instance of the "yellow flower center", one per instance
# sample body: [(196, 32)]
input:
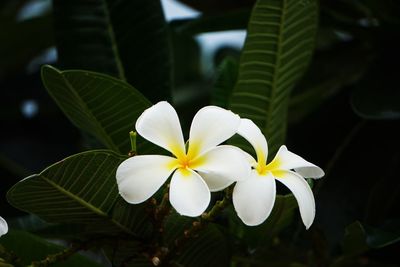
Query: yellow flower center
[(187, 161), (263, 168), (184, 162)]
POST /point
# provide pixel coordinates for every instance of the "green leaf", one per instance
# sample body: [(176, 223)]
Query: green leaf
[(208, 248), (225, 82), (360, 238), (262, 235), (131, 218), (329, 73), (127, 253), (377, 95), (377, 99), (354, 241), (80, 189), (104, 107), (278, 47), (65, 231), (29, 247), (383, 236), (127, 39)]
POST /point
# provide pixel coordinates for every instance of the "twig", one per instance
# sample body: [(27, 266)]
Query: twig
[(165, 257), (61, 256)]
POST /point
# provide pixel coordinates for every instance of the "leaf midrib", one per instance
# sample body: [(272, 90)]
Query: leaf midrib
[(277, 66), (85, 203), (74, 197), (108, 141)]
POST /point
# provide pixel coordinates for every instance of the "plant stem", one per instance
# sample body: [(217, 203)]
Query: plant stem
[(132, 136), (70, 251), (9, 258), (192, 232), (61, 256), (158, 215), (219, 206)]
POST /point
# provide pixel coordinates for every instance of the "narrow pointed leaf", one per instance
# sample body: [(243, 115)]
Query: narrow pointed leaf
[(277, 50), (102, 106), (127, 39)]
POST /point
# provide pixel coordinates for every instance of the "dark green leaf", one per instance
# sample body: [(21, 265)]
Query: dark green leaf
[(377, 96), (225, 82), (278, 47), (262, 235), (208, 248), (127, 253), (383, 236), (29, 247), (105, 107), (265, 261), (66, 231), (379, 100), (355, 239), (80, 189), (131, 218), (359, 238), (329, 73), (127, 39)]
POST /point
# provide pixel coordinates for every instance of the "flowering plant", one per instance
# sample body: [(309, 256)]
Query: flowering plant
[(160, 165)]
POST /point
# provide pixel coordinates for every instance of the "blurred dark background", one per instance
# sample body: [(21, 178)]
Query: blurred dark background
[(344, 114)]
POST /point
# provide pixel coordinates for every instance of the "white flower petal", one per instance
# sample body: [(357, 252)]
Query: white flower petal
[(310, 172), (139, 177), (214, 181), (254, 198), (222, 165), (287, 160), (249, 130), (188, 193), (160, 125), (210, 127), (249, 158), (3, 226), (302, 192)]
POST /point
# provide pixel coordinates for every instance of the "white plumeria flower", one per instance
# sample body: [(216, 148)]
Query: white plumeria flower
[(204, 167), (3, 226), (254, 198)]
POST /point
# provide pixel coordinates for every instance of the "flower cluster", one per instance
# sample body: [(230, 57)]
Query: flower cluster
[(204, 166)]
